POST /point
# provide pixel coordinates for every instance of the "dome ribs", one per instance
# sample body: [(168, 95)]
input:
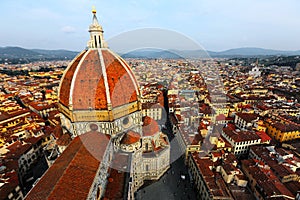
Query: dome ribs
[(121, 86), (89, 89), (85, 80), (67, 79)]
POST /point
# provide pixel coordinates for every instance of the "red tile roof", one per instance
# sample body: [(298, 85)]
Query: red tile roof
[(11, 114), (118, 173), (212, 180), (150, 126), (115, 187), (121, 161), (33, 140), (240, 136), (265, 179), (220, 117), (64, 140), (58, 131), (40, 106), (151, 105), (130, 137), (293, 186), (67, 79), (72, 174), (288, 127), (89, 88), (264, 136), (120, 79), (17, 149), (248, 117), (11, 183)]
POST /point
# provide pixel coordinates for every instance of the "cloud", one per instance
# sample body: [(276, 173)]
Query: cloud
[(68, 29)]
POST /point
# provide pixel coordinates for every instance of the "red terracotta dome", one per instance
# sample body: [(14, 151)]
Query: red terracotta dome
[(150, 126), (130, 137), (97, 79)]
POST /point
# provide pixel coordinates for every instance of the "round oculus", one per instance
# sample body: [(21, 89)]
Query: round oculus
[(126, 122)]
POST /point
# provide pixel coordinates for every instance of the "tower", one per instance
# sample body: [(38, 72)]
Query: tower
[(255, 72)]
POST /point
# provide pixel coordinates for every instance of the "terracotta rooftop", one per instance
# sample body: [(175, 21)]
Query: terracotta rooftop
[(151, 105), (115, 186), (121, 161), (150, 126), (289, 127), (64, 140), (130, 137), (240, 136), (213, 181), (121, 80), (58, 132), (67, 79), (248, 117), (40, 106), (197, 139), (10, 184), (265, 179), (77, 164), (11, 114), (118, 176), (264, 136), (17, 149), (220, 117), (293, 186), (33, 140)]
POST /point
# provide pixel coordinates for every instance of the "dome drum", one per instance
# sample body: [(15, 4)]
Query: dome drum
[(99, 115)]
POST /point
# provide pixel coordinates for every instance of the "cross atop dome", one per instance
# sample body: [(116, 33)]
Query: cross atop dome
[(96, 33)]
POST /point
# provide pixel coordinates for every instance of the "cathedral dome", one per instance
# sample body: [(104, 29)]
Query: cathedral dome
[(97, 79)]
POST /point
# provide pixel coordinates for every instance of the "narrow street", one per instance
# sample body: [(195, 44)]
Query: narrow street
[(174, 184), (35, 173)]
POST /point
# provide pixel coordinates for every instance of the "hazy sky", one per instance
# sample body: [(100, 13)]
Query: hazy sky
[(215, 24)]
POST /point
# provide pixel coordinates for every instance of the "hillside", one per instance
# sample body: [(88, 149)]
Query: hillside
[(36, 54)]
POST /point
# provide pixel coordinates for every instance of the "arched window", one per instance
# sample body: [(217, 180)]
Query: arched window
[(95, 38)]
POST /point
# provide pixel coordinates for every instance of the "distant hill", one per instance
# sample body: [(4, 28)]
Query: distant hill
[(41, 54), (239, 52), (249, 51), (147, 54), (57, 53), (18, 52)]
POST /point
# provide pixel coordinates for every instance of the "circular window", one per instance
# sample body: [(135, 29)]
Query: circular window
[(126, 123), (94, 127)]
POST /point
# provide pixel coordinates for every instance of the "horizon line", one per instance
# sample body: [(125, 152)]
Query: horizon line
[(217, 51)]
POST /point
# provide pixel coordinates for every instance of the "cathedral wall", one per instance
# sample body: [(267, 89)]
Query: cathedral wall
[(100, 181), (136, 171), (156, 164), (130, 122)]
